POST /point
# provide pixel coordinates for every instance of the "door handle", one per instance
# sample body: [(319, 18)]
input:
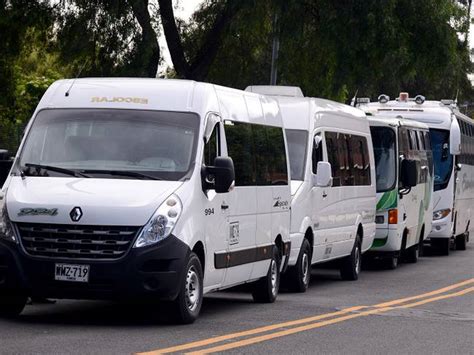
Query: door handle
[(325, 194), (404, 216), (224, 206)]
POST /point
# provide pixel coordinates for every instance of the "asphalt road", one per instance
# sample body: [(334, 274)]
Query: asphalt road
[(424, 308)]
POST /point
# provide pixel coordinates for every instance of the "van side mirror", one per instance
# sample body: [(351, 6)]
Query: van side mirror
[(455, 138), (408, 174), (324, 176), (220, 177)]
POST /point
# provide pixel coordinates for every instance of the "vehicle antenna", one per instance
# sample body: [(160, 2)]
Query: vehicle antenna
[(77, 76), (354, 99)]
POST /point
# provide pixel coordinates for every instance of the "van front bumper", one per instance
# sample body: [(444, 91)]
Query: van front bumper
[(151, 272)]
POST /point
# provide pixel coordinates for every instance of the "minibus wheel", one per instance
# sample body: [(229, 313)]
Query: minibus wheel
[(461, 242), (189, 301), (266, 289), (442, 245), (391, 263), (11, 303), (300, 274), (351, 265)]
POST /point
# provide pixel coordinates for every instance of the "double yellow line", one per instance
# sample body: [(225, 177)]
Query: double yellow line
[(257, 335)]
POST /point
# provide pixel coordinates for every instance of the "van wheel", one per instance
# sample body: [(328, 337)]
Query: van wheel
[(412, 254), (12, 303), (266, 289), (461, 242), (391, 263), (442, 245), (351, 265), (300, 274), (189, 301)]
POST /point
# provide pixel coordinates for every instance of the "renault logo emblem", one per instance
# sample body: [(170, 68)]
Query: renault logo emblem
[(76, 214)]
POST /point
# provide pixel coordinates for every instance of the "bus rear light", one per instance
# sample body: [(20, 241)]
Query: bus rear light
[(393, 216)]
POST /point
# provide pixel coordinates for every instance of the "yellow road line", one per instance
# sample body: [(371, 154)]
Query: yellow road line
[(267, 337), (218, 339)]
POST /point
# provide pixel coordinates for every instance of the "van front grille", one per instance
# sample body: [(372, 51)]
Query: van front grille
[(75, 241)]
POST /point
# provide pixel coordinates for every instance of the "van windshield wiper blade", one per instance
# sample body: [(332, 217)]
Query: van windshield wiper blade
[(57, 169), (121, 173)]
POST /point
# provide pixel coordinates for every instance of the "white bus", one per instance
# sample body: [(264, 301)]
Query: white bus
[(145, 188), (404, 169), (332, 183), (452, 139)]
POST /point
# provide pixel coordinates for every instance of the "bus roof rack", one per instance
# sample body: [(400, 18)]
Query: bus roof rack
[(274, 90)]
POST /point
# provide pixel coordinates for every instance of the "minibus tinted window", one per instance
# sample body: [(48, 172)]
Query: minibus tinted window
[(154, 143), (241, 149), (383, 139), (297, 144), (211, 148), (443, 161)]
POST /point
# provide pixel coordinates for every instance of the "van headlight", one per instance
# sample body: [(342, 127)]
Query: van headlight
[(162, 223), (6, 228), (437, 215)]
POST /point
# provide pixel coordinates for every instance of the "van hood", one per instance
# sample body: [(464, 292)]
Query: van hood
[(109, 202)]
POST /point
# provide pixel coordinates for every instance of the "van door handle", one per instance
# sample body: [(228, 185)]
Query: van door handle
[(325, 194), (224, 206)]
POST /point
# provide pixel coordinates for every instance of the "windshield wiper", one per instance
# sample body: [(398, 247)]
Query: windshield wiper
[(70, 172), (121, 173)]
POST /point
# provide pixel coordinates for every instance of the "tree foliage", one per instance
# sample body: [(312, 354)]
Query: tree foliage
[(329, 48)]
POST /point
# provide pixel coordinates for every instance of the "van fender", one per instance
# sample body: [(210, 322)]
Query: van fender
[(297, 240), (365, 241)]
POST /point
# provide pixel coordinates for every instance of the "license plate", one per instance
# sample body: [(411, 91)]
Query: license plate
[(73, 273)]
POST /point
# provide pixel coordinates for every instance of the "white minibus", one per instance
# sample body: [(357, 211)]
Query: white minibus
[(404, 170), (332, 183), (146, 189), (452, 139)]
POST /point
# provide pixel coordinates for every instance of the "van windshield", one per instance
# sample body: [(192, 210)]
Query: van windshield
[(111, 143), (383, 139), (297, 144), (443, 160)]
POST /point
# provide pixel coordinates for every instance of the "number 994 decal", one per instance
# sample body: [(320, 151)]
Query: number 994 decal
[(208, 211)]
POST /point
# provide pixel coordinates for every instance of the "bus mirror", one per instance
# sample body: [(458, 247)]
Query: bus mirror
[(455, 138), (220, 177), (408, 174), (324, 175)]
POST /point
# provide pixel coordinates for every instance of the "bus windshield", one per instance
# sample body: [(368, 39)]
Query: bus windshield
[(111, 143), (383, 139), (443, 160), (297, 142)]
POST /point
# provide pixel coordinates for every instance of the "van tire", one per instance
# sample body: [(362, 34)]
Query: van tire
[(189, 301), (300, 274), (266, 289), (461, 242), (12, 303), (412, 254), (352, 264), (442, 245), (391, 263)]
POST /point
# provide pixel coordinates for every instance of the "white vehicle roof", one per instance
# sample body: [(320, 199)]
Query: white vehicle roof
[(162, 95), (298, 110), (395, 122)]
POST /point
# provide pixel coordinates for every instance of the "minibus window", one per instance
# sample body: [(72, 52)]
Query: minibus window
[(211, 147), (443, 163), (317, 152), (383, 139), (297, 145), (112, 143), (241, 149)]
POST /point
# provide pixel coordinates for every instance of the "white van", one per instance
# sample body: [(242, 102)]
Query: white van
[(452, 137), (404, 169), (332, 183), (145, 188)]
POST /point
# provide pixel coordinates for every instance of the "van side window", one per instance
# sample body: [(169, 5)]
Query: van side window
[(331, 144), (427, 140), (413, 141), (317, 154), (421, 141), (240, 148), (360, 160), (211, 148), (276, 158)]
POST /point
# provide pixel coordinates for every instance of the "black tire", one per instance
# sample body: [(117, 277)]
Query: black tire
[(461, 242), (266, 289), (12, 303), (412, 254), (442, 245), (300, 274), (352, 264), (189, 301), (391, 263)]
